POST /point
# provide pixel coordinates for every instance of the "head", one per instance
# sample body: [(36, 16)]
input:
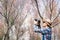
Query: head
[(36, 21), (46, 24)]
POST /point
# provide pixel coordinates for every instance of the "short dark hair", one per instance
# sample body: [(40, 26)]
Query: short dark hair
[(43, 21)]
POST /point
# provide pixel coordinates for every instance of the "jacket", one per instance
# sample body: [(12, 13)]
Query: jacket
[(46, 33)]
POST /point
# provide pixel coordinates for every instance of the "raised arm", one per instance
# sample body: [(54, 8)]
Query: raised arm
[(36, 29)]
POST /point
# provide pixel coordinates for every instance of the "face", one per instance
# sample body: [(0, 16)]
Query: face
[(44, 24)]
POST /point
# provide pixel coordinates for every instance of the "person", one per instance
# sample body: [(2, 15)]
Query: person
[(36, 25), (46, 30)]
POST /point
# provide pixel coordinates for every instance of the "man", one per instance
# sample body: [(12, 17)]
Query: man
[(36, 25), (45, 30)]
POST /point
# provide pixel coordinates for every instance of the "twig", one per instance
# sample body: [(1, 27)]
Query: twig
[(38, 9)]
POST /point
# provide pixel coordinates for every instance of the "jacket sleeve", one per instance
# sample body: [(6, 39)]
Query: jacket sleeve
[(40, 30), (36, 29)]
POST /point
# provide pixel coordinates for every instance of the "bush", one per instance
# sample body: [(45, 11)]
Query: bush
[(0, 38)]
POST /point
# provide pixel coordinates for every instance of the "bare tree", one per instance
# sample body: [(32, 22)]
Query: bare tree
[(9, 19), (10, 13)]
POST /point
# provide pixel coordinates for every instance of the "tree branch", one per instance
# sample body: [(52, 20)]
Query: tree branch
[(56, 24), (21, 25), (57, 16), (38, 9), (1, 14)]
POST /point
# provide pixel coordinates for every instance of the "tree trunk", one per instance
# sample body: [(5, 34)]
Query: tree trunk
[(6, 37)]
